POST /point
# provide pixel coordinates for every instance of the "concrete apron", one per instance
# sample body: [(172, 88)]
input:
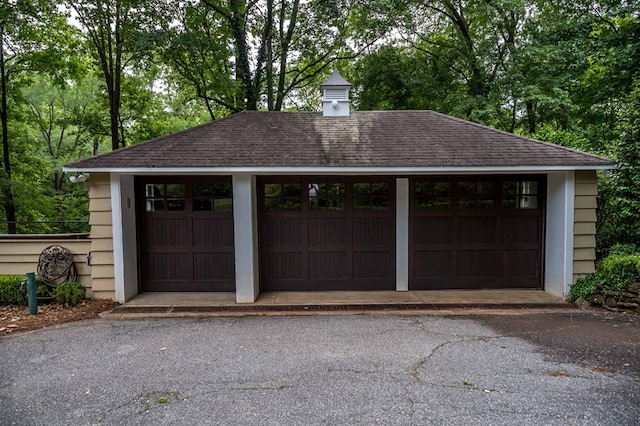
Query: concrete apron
[(440, 302)]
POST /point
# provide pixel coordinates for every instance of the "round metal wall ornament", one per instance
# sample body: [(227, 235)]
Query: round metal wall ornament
[(55, 266)]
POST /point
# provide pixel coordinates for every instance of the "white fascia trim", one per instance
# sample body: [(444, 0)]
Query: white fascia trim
[(118, 243), (333, 170)]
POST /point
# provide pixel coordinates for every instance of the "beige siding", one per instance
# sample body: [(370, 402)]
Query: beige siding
[(584, 226), (101, 236), (100, 218), (584, 254), (19, 254)]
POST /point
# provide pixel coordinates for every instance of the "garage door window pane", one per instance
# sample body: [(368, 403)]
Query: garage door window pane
[(520, 195), (327, 196), (432, 195), (202, 197), (282, 196), (208, 197), (476, 195), (154, 197), (371, 196), (175, 197)]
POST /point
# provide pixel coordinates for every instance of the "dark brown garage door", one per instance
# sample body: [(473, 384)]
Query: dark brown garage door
[(185, 234), (327, 233), (476, 232)]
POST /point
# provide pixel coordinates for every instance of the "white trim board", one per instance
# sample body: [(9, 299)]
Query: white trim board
[(333, 170)]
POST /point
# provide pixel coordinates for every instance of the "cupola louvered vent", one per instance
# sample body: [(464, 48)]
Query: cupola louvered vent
[(335, 96)]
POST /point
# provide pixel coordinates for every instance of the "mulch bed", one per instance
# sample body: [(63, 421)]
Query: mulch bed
[(16, 319)]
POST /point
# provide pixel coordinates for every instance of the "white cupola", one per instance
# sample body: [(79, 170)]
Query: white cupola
[(335, 96)]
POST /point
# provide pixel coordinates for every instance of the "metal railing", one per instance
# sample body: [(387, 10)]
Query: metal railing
[(47, 227)]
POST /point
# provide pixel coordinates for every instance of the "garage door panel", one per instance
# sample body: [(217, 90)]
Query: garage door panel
[(373, 264), (166, 232), (520, 263), (328, 265), (208, 266), (432, 264), (285, 265), (328, 231), (372, 230), (166, 266), (476, 263), (520, 229), (213, 232), (476, 229), (433, 230), (285, 231)]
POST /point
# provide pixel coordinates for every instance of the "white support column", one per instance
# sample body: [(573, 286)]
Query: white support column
[(123, 217), (245, 220), (402, 234), (558, 246)]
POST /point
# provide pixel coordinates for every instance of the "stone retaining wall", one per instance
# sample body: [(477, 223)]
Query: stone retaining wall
[(618, 301)]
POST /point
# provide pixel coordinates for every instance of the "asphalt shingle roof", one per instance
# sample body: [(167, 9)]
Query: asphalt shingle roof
[(408, 139)]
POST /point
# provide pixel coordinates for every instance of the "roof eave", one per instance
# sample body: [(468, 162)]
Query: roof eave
[(336, 170)]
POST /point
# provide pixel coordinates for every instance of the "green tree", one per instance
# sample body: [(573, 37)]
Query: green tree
[(257, 55), (619, 216), (32, 38), (54, 111), (113, 30)]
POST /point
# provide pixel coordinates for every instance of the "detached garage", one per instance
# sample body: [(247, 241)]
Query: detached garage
[(340, 200)]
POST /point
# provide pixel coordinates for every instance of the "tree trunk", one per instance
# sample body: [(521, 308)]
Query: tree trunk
[(268, 42), (531, 117), (243, 68), (285, 42)]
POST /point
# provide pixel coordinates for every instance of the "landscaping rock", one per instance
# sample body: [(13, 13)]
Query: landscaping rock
[(617, 301)]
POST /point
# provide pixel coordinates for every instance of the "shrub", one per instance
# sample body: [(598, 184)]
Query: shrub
[(622, 249), (11, 291), (70, 293), (613, 273), (619, 270)]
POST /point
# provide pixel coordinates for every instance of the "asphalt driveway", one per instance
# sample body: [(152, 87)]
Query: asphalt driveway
[(544, 369)]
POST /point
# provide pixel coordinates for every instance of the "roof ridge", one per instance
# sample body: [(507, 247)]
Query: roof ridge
[(538, 141)]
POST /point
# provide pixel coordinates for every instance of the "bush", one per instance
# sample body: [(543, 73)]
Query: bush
[(619, 270), (613, 273), (11, 291), (70, 293)]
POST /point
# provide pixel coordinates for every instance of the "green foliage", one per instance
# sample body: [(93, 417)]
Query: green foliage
[(11, 291), (14, 292), (618, 270), (619, 198), (615, 272), (70, 293), (585, 286)]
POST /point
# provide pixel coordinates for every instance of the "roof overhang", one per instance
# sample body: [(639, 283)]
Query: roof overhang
[(337, 170)]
